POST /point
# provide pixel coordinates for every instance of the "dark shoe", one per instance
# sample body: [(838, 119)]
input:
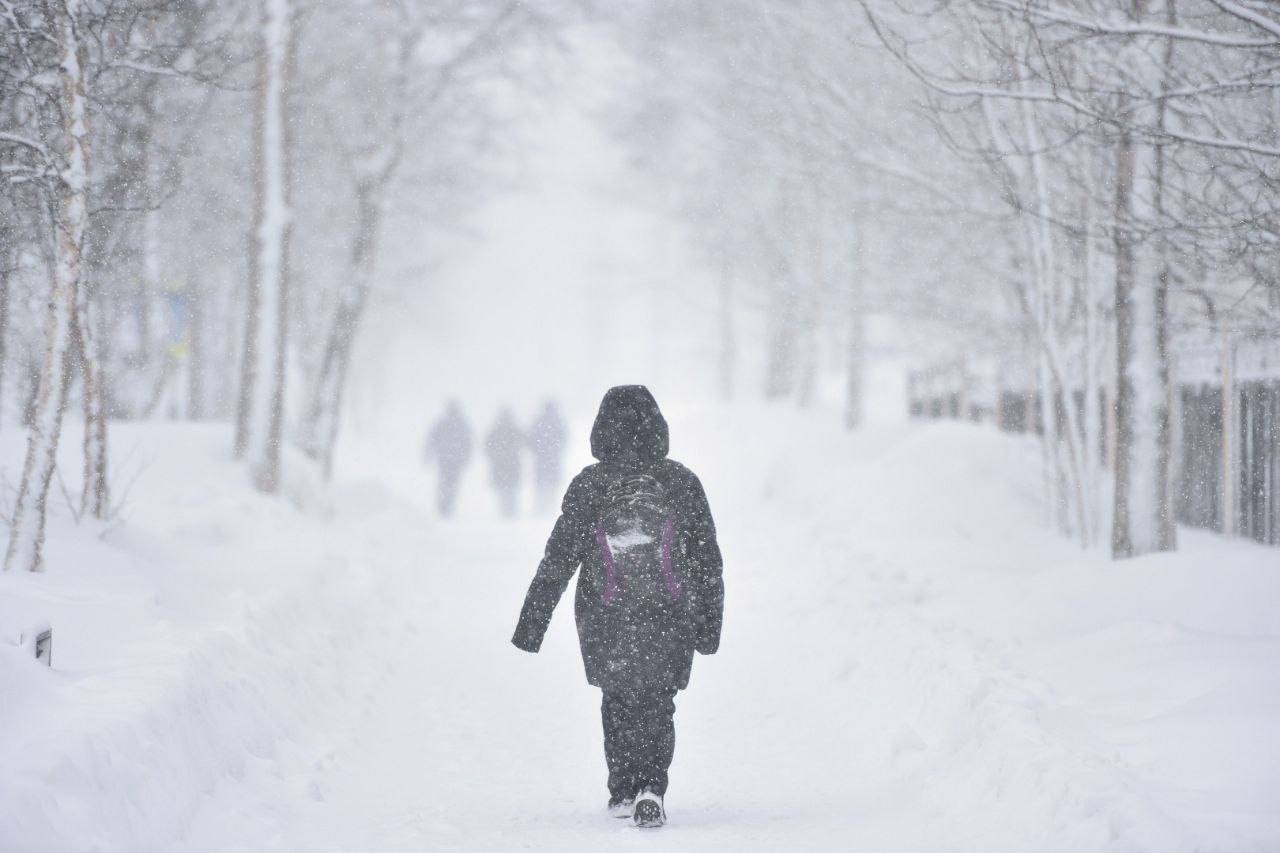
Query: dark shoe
[(649, 813), (622, 807)]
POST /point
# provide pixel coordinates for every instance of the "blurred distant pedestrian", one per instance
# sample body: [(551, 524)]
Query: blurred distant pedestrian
[(547, 438), (449, 448), (504, 444)]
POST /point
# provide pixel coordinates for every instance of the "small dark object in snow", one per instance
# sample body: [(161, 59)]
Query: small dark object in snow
[(38, 640)]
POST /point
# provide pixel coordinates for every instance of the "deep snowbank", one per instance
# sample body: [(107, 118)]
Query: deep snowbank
[(1019, 692), (214, 629)]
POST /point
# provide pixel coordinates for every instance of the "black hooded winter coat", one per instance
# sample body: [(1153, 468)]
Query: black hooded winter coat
[(623, 650)]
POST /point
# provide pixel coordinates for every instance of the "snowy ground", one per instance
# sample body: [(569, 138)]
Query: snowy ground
[(910, 662)]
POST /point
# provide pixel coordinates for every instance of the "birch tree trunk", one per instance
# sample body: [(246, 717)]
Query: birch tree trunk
[(195, 349), (26, 539), (155, 370), (1089, 369), (318, 432), (1061, 419), (6, 261), (324, 408), (1142, 520), (94, 499), (1166, 529), (1122, 544), (260, 414)]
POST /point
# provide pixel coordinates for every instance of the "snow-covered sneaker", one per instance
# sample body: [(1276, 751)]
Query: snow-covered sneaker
[(649, 813), (624, 807)]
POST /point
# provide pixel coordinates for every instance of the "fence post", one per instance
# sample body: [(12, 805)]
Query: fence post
[(1228, 427)]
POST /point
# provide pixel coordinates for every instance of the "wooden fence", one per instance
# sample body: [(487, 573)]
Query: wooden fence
[(1228, 439), (1227, 444), (1258, 514)]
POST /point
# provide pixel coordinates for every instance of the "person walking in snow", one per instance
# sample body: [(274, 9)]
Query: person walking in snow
[(650, 591), (547, 438), (504, 446), (449, 447)]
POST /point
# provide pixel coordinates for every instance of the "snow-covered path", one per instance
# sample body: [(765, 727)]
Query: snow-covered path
[(911, 662), (908, 664), (469, 744)]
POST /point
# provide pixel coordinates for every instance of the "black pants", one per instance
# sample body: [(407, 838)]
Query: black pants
[(447, 490), (639, 740)]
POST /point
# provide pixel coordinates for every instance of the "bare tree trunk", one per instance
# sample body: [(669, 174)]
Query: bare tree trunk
[(1141, 521), (6, 261), (1142, 517), (783, 340), (1110, 391), (1092, 384), (855, 342), (1058, 412), (259, 421), (248, 370), (149, 366), (1068, 438), (195, 349), (1166, 529), (221, 348), (26, 538), (94, 499), (320, 426), (1095, 408), (812, 308), (131, 393), (809, 354), (728, 343), (1052, 439), (253, 285), (1121, 538), (319, 429)]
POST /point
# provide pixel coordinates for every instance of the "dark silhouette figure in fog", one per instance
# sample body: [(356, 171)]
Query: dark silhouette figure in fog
[(547, 438), (449, 448), (650, 591), (504, 446)]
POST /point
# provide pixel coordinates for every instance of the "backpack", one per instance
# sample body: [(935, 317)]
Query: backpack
[(635, 533)]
